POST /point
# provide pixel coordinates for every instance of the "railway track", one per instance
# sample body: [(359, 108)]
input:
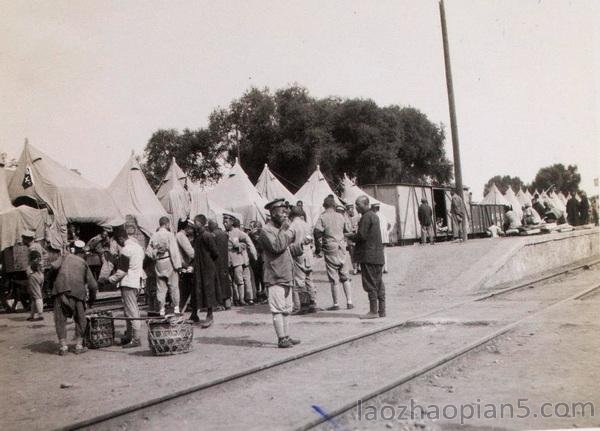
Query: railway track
[(108, 420)]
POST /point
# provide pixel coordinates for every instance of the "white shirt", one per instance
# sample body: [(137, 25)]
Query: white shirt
[(135, 273), (383, 227)]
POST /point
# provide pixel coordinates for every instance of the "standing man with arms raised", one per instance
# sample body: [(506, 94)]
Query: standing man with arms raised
[(369, 254), (276, 240)]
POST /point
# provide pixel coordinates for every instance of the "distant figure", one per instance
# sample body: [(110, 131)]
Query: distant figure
[(494, 230), (35, 276), (530, 216), (277, 243), (459, 216), (185, 237), (72, 281), (511, 221), (354, 218), (304, 292), (537, 205), (164, 250), (573, 211), (369, 253), (300, 206), (584, 209), (206, 255), (553, 214), (425, 214), (329, 234), (385, 226), (222, 263), (239, 246)]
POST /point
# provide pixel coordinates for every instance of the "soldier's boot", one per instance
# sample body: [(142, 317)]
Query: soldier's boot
[(372, 314)]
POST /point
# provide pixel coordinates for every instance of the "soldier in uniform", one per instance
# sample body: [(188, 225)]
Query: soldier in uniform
[(35, 276), (329, 234), (239, 246), (222, 263), (277, 242)]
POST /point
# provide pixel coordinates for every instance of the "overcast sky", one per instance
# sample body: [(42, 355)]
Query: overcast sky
[(89, 81)]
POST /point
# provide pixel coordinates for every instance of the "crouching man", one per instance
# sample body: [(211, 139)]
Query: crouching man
[(276, 239), (71, 284)]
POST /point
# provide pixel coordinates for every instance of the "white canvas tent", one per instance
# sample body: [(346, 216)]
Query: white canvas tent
[(71, 197), (494, 197), (522, 197), (514, 202), (135, 197), (201, 203), (529, 195), (16, 220), (235, 192), (556, 202), (313, 193), (562, 198), (271, 188), (173, 195), (352, 191)]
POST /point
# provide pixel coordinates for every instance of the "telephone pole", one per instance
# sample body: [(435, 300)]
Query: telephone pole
[(452, 108)]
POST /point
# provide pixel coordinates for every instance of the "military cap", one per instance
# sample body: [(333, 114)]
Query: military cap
[(275, 203), (230, 215), (79, 244), (375, 205)]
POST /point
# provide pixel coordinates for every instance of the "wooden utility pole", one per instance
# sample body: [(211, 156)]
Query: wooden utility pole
[(453, 125)]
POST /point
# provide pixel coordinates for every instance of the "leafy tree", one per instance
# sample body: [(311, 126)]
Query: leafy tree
[(564, 179), (503, 183)]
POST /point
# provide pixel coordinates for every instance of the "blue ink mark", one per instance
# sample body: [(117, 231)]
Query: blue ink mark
[(326, 416)]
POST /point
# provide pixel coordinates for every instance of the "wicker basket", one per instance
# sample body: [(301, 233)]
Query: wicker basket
[(170, 336), (100, 332)]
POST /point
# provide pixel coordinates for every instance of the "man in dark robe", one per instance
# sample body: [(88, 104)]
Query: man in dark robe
[(221, 241), (584, 209), (573, 211), (205, 268)]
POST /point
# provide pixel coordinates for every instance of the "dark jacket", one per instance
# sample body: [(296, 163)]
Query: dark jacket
[(72, 276), (222, 264), (573, 212), (368, 248), (278, 263), (539, 208), (425, 215), (584, 210), (205, 270)]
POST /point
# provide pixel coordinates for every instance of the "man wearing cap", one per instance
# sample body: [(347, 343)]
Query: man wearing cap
[(459, 216), (35, 276), (384, 226), (425, 214), (73, 279), (164, 250), (277, 242), (329, 233), (238, 246), (300, 206), (185, 236), (369, 253)]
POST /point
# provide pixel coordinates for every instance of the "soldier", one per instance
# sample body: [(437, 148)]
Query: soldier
[(304, 293), (163, 249), (207, 278), (239, 246), (369, 253), (222, 263), (459, 216), (276, 241), (329, 234), (185, 236), (354, 218)]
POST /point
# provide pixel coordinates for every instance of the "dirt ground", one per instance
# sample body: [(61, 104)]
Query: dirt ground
[(421, 279)]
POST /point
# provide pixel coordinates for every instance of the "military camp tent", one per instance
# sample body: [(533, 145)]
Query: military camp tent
[(351, 191), (201, 203), (135, 197), (494, 197), (16, 220), (271, 188), (514, 202), (522, 198), (173, 194), (313, 193), (556, 202), (235, 192), (69, 196), (529, 195)]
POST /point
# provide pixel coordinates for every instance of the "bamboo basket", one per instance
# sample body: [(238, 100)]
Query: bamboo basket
[(100, 332), (170, 336)]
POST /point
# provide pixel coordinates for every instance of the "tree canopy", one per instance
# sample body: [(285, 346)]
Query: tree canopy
[(294, 132), (563, 179), (503, 183)]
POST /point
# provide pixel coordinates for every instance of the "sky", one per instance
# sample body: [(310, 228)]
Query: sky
[(87, 82)]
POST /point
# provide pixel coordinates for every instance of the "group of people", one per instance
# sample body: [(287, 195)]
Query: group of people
[(208, 268), (537, 212)]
